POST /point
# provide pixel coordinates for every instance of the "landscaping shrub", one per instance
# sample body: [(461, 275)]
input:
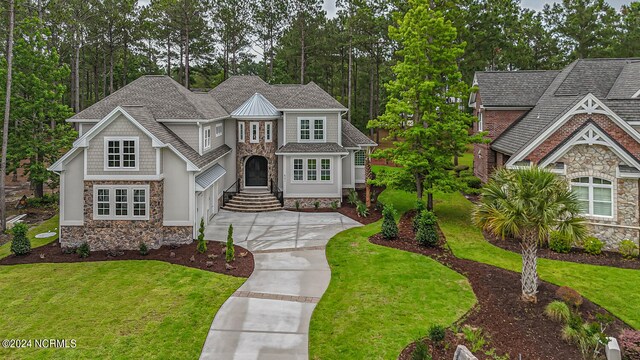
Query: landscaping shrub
[(420, 207), (47, 200), (202, 243), (230, 251), (472, 182), (389, 226), (361, 209), (436, 333), (460, 168), (83, 250), (20, 245), (569, 296), (590, 337), (297, 205), (316, 204), (352, 197), (144, 250), (466, 173), (334, 205), (427, 234), (558, 311), (630, 343), (628, 249), (474, 337), (593, 246), (559, 242), (421, 351)]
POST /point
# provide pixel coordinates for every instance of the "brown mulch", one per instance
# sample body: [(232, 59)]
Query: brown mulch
[(349, 210), (607, 258), (510, 325), (242, 266)]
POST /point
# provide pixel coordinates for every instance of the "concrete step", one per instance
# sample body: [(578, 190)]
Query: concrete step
[(253, 202)]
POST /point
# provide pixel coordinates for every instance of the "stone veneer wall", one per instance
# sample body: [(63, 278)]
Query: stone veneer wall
[(309, 203), (125, 234), (246, 149), (600, 161)]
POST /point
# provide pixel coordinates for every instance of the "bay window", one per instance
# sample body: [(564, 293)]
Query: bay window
[(594, 194)]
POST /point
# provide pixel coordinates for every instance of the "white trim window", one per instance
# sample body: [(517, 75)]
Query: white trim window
[(241, 132), (207, 137), (306, 170), (325, 169), (120, 202), (595, 195), (359, 158), (318, 130), (268, 131), (305, 132), (480, 121), (312, 129), (298, 170), (254, 136), (312, 169), (219, 129), (121, 153)]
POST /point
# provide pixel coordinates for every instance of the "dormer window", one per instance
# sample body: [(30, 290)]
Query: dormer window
[(311, 129), (120, 153)]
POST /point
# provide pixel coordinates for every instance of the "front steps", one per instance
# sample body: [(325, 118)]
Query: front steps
[(253, 202)]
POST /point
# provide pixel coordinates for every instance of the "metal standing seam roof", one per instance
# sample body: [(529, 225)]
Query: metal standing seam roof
[(256, 107), (210, 176)]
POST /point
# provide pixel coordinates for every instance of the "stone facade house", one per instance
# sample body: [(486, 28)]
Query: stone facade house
[(154, 158), (582, 123)]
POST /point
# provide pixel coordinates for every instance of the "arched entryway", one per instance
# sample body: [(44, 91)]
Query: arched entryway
[(256, 171)]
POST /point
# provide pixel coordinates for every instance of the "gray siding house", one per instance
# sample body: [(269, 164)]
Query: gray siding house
[(154, 158)]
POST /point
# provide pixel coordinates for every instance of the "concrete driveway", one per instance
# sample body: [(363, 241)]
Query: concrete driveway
[(268, 317)]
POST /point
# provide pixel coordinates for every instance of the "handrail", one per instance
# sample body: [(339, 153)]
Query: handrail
[(229, 193)]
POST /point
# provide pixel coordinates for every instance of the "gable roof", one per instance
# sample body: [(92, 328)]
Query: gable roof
[(513, 88), (568, 88), (353, 138), (628, 83)]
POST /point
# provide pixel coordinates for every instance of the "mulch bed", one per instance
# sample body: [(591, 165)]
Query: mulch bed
[(350, 211), (509, 324), (607, 258), (242, 266)]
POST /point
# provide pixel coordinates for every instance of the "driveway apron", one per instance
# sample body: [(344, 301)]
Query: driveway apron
[(268, 316)]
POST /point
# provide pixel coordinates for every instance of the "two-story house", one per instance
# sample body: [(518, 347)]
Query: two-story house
[(154, 158)]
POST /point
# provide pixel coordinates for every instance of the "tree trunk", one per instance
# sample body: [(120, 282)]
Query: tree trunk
[(125, 65), (5, 124), (76, 80), (350, 71), (168, 56), (186, 58), (529, 267), (110, 61), (430, 201), (367, 177), (371, 97), (418, 187), (302, 49)]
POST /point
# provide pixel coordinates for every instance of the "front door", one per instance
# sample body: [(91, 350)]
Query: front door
[(256, 172)]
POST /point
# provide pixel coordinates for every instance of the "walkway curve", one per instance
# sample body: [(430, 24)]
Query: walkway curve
[(268, 316)]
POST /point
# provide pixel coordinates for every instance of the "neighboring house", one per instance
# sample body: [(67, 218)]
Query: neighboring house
[(581, 123), (154, 158)]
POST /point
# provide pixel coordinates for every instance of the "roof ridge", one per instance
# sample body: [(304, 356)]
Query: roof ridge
[(112, 94), (182, 90)]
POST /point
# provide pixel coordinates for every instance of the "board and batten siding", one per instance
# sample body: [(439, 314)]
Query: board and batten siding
[(189, 133), (121, 127), (176, 188), (72, 188), (315, 189), (333, 125)]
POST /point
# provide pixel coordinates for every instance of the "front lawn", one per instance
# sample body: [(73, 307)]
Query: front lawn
[(381, 299), (45, 226), (612, 288), (114, 309)]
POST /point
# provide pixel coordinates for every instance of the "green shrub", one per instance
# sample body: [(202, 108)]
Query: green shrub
[(83, 250), (352, 197), (559, 242), (466, 173), (420, 207), (472, 182), (389, 226), (474, 337), (202, 243), (421, 351), (459, 168), (436, 333), (47, 200), (427, 234), (297, 205), (334, 205), (230, 251), (558, 311), (20, 245), (593, 246), (316, 204), (628, 249), (361, 209), (144, 250)]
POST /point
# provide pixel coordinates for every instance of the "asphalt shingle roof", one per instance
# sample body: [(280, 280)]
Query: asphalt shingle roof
[(628, 83), (297, 148), (352, 137), (513, 88)]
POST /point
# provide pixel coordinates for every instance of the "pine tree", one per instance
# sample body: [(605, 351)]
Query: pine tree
[(389, 226), (230, 252), (202, 243)]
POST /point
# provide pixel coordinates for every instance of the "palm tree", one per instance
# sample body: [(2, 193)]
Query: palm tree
[(527, 204)]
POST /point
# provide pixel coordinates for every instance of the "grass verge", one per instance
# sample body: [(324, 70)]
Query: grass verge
[(47, 225)]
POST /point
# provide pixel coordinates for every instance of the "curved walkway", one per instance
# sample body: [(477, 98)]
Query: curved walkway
[(268, 317)]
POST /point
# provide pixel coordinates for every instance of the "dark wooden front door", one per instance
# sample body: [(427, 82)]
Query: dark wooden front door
[(256, 171)]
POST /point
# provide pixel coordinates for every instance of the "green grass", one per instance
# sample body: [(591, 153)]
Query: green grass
[(381, 299), (47, 225), (114, 310), (612, 288)]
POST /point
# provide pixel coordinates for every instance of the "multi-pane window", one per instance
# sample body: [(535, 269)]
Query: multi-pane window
[(298, 171), (325, 169), (359, 158), (207, 137), (118, 202), (219, 129), (480, 122), (241, 131), (102, 202), (268, 132), (594, 194), (304, 129), (318, 129), (255, 135), (121, 153), (312, 170)]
